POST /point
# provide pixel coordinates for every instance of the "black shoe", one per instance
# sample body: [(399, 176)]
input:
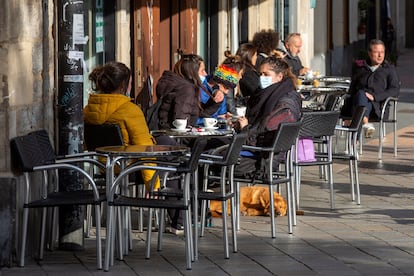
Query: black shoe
[(176, 229)]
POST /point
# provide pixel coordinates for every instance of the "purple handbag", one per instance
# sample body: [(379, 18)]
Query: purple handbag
[(306, 150)]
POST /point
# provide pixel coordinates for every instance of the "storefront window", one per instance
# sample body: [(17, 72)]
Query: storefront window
[(100, 29)]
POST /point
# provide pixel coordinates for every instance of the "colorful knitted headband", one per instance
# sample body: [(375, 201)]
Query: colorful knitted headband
[(226, 76)]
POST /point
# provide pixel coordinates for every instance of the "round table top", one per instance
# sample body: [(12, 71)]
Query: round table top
[(194, 132), (142, 150)]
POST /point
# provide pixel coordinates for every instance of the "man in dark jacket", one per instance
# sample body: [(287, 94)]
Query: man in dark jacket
[(292, 46), (372, 82)]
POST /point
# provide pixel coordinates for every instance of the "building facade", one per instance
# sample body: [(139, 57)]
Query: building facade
[(146, 35)]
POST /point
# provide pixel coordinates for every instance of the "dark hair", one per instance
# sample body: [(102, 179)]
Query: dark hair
[(233, 61), (266, 41), (279, 65), (188, 66), (375, 42), (110, 77), (246, 52)]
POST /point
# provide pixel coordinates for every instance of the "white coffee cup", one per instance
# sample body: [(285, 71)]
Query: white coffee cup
[(180, 123), (309, 74), (209, 122), (241, 111)]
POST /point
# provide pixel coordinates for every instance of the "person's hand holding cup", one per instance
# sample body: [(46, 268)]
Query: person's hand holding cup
[(241, 111), (180, 124)]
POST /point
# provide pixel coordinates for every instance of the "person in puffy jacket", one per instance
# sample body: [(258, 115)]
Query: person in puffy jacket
[(111, 104), (179, 92)]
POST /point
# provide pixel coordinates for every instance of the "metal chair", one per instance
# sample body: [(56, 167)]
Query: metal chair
[(116, 199), (352, 132), (320, 126), (96, 136), (226, 192), (388, 116), (35, 153), (281, 147)]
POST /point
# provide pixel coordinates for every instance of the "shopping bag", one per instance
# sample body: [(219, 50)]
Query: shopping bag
[(306, 150)]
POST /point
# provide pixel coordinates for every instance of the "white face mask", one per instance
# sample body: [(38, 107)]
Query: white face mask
[(202, 78), (265, 81)]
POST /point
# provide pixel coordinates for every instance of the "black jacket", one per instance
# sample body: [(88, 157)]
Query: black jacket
[(180, 100), (250, 82), (268, 108), (381, 83)]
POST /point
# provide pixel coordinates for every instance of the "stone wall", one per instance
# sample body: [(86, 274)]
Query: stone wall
[(27, 85)]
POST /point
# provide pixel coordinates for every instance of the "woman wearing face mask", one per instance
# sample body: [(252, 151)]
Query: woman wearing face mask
[(277, 101), (111, 104)]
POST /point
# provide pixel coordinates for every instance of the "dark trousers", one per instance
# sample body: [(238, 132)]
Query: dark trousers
[(360, 99)]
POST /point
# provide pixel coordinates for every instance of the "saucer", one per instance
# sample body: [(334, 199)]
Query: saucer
[(181, 130), (210, 128)]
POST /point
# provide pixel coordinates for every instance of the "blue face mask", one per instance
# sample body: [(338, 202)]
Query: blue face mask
[(202, 78), (128, 94), (265, 81)]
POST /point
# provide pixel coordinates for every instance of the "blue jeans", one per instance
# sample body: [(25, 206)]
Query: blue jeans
[(360, 99)]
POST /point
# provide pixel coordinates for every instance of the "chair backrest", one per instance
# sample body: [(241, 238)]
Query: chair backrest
[(331, 102), (196, 151), (357, 118), (102, 135), (33, 149), (233, 152), (318, 123), (286, 136)]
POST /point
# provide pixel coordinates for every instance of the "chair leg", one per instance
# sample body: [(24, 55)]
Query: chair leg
[(331, 186), (109, 237), (195, 215), (119, 233), (161, 224), (237, 196), (24, 236), (272, 211), (42, 233), (188, 238), (98, 236), (88, 221), (225, 234), (148, 241), (233, 209), (380, 140), (351, 179), (357, 182)]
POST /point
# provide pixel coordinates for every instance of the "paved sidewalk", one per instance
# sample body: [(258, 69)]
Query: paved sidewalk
[(375, 238)]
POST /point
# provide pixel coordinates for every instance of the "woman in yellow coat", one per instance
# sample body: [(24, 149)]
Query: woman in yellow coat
[(111, 104)]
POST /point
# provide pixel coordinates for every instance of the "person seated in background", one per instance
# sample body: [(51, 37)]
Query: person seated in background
[(250, 80), (372, 81), (276, 102), (111, 104), (266, 42), (291, 48)]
